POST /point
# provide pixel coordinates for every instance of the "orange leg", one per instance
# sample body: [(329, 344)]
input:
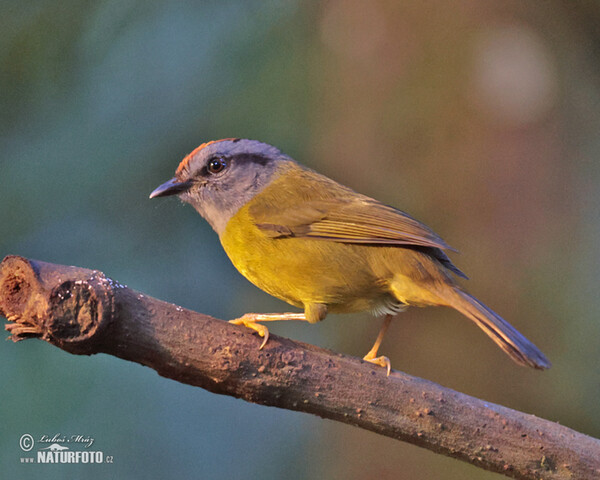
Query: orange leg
[(372, 355), (250, 320)]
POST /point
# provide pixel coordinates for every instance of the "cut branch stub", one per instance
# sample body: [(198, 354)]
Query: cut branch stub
[(18, 295), (39, 304)]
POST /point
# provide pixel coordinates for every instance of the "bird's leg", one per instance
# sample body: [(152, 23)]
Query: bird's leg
[(372, 355), (250, 320)]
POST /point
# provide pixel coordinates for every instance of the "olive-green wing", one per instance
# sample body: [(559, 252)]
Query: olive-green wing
[(313, 206), (361, 220)]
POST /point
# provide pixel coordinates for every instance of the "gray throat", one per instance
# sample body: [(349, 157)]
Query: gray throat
[(218, 201)]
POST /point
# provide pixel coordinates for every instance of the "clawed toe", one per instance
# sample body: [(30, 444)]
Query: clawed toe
[(249, 322), (382, 361)]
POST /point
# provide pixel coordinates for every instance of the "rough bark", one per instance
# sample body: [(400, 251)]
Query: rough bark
[(84, 312)]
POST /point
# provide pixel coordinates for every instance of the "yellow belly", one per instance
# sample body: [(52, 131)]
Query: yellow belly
[(303, 271)]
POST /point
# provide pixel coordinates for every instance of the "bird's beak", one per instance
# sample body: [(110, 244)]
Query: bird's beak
[(172, 187)]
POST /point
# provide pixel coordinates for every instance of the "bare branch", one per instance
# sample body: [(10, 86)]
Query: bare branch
[(84, 312)]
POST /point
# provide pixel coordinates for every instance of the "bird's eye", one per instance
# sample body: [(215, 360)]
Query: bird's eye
[(216, 165)]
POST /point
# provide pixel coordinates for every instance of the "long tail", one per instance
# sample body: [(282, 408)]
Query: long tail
[(499, 330)]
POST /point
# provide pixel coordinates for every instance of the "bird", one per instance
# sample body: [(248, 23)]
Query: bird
[(324, 248)]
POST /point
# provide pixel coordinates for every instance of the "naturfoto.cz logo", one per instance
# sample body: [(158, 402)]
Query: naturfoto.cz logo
[(57, 449)]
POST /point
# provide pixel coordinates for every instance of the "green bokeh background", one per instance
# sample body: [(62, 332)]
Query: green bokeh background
[(479, 118)]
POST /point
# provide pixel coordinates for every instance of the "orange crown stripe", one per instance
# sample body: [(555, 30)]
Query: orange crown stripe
[(184, 163)]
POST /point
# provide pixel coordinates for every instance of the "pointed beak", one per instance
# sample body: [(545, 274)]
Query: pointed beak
[(172, 187)]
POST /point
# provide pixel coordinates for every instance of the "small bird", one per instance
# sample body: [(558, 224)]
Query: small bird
[(323, 247)]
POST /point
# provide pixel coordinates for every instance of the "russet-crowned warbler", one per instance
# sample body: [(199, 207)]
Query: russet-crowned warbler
[(322, 247)]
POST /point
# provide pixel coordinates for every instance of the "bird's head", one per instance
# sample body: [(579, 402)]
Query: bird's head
[(221, 176)]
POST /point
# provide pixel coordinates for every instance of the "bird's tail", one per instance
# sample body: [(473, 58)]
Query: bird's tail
[(499, 330)]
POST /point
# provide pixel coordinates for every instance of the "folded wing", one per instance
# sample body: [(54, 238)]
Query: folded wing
[(359, 220)]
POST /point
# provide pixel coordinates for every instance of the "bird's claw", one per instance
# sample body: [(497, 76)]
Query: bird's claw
[(382, 361), (250, 322)]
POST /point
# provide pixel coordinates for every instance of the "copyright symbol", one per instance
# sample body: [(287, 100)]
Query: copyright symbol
[(26, 442)]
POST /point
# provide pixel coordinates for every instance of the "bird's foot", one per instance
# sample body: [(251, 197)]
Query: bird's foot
[(382, 361), (249, 320), (372, 355)]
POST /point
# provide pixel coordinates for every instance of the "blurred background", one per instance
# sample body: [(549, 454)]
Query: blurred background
[(479, 118)]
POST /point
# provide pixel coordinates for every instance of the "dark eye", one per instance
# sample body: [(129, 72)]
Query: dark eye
[(216, 165)]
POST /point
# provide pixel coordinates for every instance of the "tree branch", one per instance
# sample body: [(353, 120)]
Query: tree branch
[(84, 312)]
